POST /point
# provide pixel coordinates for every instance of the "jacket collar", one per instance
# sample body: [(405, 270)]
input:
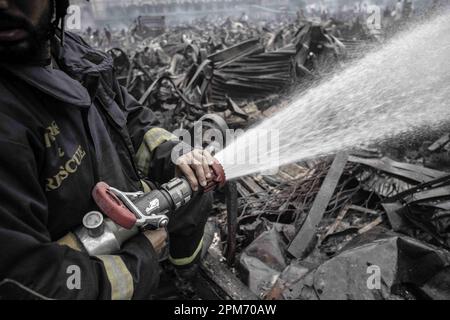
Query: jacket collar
[(54, 83), (80, 61)]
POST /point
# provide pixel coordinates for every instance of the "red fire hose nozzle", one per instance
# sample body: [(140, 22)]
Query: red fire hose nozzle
[(219, 178), (143, 209)]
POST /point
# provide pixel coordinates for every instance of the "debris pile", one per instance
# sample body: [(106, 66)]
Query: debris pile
[(187, 72), (359, 226), (354, 226)]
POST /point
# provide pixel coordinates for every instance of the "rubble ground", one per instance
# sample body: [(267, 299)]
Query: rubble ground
[(319, 229)]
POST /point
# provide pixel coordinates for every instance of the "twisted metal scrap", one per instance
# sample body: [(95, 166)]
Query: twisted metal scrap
[(289, 202)]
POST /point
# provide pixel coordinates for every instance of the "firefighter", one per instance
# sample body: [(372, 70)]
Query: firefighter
[(66, 124)]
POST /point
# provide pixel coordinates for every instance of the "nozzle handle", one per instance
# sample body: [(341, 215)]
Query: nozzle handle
[(112, 206)]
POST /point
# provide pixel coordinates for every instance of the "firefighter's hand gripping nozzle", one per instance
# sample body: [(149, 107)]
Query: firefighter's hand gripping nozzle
[(128, 213)]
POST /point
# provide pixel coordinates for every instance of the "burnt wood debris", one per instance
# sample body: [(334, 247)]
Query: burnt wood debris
[(320, 228)]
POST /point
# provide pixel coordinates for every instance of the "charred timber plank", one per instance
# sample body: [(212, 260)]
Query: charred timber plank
[(336, 223), (243, 192), (429, 195), (439, 143), (299, 246), (221, 275), (254, 188), (434, 184), (433, 174), (232, 223), (363, 210), (371, 225), (403, 170)]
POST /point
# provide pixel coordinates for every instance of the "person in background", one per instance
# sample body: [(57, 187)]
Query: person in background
[(398, 13)]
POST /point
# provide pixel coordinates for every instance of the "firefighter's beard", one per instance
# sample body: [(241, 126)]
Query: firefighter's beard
[(34, 48)]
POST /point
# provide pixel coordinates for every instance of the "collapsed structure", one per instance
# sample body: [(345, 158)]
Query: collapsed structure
[(319, 229)]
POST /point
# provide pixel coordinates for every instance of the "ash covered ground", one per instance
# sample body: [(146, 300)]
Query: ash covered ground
[(370, 224)]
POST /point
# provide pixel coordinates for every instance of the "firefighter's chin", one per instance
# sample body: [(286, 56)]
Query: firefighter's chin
[(13, 35), (17, 51)]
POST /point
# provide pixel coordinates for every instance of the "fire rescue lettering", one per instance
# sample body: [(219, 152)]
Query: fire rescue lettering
[(70, 167), (50, 134)]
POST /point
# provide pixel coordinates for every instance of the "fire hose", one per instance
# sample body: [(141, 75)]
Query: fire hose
[(129, 213)]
